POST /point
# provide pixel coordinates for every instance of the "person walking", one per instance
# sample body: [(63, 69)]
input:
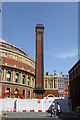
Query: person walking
[(53, 110), (58, 108)]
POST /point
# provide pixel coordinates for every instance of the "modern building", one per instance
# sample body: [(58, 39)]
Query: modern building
[(74, 81), (63, 85)]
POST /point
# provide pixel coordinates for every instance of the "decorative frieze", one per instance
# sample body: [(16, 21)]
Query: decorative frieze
[(17, 57)]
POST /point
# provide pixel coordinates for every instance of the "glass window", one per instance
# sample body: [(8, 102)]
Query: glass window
[(7, 90), (23, 79), (66, 83), (60, 80), (23, 92), (0, 74), (29, 94), (49, 83), (62, 85), (0, 61), (8, 76), (16, 77), (58, 85), (28, 80), (16, 91)]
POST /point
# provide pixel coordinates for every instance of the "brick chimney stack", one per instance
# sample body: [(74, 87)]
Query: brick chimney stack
[(39, 80)]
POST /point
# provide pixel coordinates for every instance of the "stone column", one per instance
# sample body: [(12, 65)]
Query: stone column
[(47, 83), (34, 83), (26, 79), (53, 83), (20, 78), (4, 77), (30, 80), (57, 83), (44, 83), (13, 79)]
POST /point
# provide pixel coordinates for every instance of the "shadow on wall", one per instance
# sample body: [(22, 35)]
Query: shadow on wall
[(65, 105)]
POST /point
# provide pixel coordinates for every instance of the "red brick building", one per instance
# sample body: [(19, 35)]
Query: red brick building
[(63, 85), (17, 72), (74, 81)]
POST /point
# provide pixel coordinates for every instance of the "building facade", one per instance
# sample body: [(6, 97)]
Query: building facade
[(17, 72), (63, 85), (50, 85), (74, 81)]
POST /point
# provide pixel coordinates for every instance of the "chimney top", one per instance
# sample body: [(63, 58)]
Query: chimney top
[(39, 25), (40, 28)]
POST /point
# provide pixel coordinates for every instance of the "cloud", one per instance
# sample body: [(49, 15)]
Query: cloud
[(66, 55), (63, 54)]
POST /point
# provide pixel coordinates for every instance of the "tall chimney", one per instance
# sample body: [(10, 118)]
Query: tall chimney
[(39, 68)]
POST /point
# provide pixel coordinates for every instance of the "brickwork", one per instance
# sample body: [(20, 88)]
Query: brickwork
[(17, 63), (74, 75), (39, 84), (63, 85), (51, 93)]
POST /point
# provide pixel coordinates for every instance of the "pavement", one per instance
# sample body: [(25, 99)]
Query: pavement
[(38, 116)]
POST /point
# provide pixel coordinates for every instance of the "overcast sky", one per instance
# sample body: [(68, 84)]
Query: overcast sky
[(60, 20)]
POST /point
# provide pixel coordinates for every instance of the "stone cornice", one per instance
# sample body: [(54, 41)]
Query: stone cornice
[(16, 52), (21, 69), (17, 84)]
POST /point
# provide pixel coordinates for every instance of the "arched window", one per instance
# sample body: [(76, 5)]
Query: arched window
[(8, 76), (16, 77), (33, 82), (0, 74), (49, 83), (23, 92), (28, 94), (23, 79), (28, 80), (16, 91), (7, 90)]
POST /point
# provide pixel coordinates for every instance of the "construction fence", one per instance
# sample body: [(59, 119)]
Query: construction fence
[(33, 105)]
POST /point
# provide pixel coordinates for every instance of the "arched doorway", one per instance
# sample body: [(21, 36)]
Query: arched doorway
[(51, 95)]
